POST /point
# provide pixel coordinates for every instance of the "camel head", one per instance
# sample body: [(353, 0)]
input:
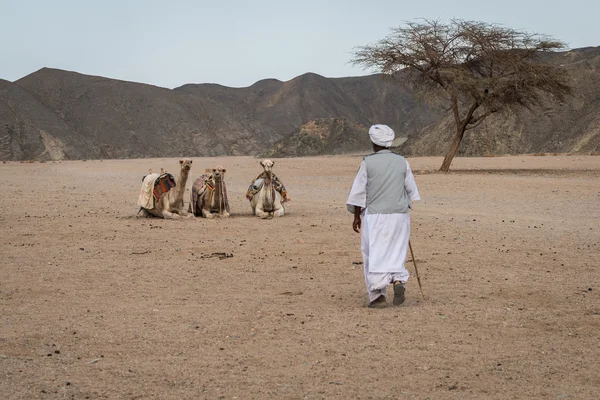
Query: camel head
[(208, 175), (267, 166), (218, 173), (186, 164)]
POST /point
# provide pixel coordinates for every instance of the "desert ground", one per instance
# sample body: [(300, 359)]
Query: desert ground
[(98, 304)]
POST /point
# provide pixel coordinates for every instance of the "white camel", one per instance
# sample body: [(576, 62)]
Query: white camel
[(170, 202), (266, 193)]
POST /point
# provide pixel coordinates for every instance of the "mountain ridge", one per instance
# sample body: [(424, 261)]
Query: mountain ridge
[(58, 114)]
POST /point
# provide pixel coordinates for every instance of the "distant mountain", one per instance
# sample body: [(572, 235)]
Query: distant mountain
[(55, 114), (124, 119)]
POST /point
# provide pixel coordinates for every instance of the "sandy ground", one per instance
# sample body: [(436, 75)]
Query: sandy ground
[(96, 304)]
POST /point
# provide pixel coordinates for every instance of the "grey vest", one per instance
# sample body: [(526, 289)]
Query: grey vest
[(386, 193)]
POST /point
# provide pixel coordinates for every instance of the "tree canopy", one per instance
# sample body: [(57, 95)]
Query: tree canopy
[(475, 68)]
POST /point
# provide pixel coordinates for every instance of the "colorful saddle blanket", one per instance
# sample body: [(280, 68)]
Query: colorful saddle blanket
[(257, 184), (162, 185)]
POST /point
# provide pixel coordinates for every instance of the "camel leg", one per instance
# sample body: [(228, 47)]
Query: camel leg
[(143, 213), (182, 212), (260, 213), (207, 214), (169, 215), (185, 214), (278, 207)]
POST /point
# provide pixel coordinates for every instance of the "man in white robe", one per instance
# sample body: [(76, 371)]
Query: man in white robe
[(382, 193)]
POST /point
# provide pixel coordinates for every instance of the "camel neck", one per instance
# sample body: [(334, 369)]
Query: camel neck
[(218, 183), (181, 181), (268, 177)]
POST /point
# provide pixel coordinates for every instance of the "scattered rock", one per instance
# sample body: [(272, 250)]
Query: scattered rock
[(220, 255)]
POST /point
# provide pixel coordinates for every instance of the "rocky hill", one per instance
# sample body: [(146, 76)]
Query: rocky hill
[(322, 136), (572, 127), (55, 114)]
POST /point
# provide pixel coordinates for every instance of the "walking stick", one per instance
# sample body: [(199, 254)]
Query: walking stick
[(416, 270)]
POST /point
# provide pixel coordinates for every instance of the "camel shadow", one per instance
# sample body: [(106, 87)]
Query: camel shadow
[(250, 215)]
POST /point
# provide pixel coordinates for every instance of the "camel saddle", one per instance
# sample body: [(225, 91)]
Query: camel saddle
[(154, 186), (257, 184), (162, 185)]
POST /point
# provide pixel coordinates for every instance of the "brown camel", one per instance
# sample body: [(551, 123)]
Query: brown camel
[(209, 194)]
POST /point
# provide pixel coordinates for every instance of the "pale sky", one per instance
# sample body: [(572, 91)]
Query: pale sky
[(235, 43)]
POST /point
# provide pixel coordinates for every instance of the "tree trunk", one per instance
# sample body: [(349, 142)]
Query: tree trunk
[(460, 132)]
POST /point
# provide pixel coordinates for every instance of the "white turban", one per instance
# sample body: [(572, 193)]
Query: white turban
[(382, 135)]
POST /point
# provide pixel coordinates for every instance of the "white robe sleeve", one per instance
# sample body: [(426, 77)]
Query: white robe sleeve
[(358, 193), (411, 185)]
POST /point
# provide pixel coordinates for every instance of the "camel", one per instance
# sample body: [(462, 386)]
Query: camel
[(209, 194), (166, 200), (266, 193)]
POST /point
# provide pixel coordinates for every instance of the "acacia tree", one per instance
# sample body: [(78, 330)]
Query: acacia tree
[(474, 68)]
